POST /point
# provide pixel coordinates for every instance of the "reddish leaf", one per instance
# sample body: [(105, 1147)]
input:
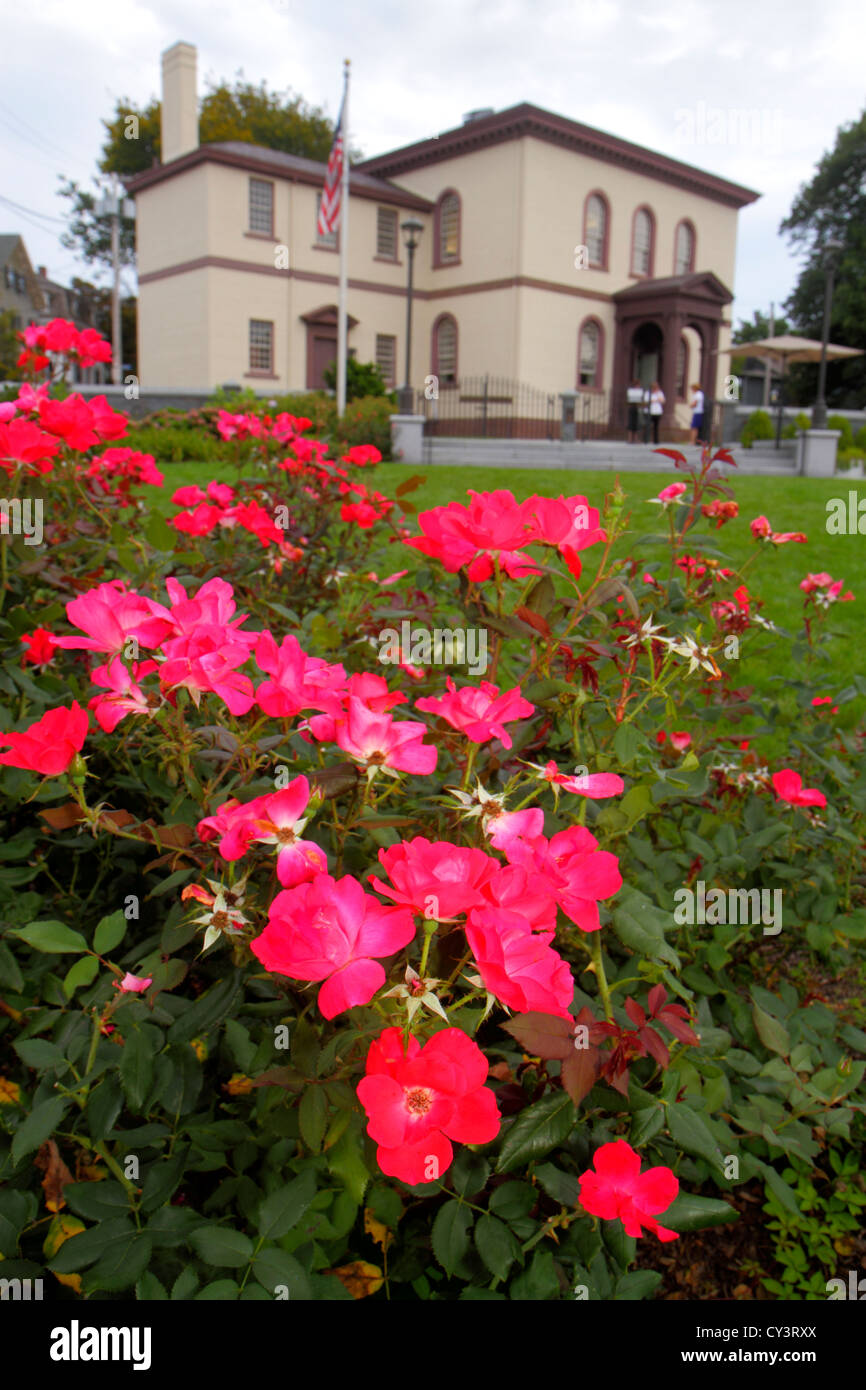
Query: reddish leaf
[(62, 817), (671, 454), (543, 1035), (656, 997), (655, 1047), (725, 457), (409, 485), (675, 1025), (57, 1175), (281, 1076), (579, 1071), (635, 1012), (534, 620)]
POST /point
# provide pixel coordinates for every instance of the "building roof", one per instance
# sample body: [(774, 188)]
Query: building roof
[(527, 119), (8, 242), (256, 159)]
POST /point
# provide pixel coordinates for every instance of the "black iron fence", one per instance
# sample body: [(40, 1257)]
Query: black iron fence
[(489, 407)]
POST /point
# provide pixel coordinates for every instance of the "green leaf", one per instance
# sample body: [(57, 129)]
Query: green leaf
[(136, 1068), (639, 1284), (641, 925), (159, 534), (97, 1201), (220, 1245), (537, 1130), (690, 1213), (39, 1053), (282, 1210), (469, 1172), (220, 1291), (450, 1234), (103, 1107), (777, 1185), (513, 1200), (110, 932), (304, 1047), (91, 1245), (121, 1265), (10, 973), (538, 1282), (313, 1117), (689, 1132), (496, 1245), (83, 972), (346, 1161), (772, 1033), (39, 1126), (52, 937), (161, 1179), (645, 1124), (562, 1187), (273, 1267), (149, 1289), (207, 1011)]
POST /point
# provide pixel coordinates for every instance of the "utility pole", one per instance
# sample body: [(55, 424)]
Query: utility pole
[(114, 206)]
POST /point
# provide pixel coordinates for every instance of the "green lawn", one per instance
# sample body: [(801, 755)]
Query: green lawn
[(791, 504)]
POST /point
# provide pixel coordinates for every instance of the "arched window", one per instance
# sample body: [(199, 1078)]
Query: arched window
[(596, 219), (445, 349), (684, 249), (682, 369), (642, 239), (446, 232), (590, 354)]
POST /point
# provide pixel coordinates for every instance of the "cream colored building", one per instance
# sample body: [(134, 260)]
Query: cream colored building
[(551, 254)]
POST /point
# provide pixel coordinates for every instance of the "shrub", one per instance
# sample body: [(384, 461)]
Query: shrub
[(799, 422), (860, 438), (368, 421), (842, 423), (758, 426), (362, 379)]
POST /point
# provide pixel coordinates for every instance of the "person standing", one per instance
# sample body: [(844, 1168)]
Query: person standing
[(657, 406), (634, 396), (697, 413)]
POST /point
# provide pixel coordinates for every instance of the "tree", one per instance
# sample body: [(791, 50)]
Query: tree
[(833, 205), (132, 145)]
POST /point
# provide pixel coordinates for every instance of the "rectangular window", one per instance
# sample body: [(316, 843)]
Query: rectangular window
[(386, 234), (386, 358), (330, 238), (261, 345), (261, 206)]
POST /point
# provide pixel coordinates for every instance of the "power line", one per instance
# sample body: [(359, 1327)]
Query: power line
[(19, 207), (39, 143)]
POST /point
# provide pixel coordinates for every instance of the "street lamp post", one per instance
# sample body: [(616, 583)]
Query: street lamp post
[(411, 229), (832, 248)]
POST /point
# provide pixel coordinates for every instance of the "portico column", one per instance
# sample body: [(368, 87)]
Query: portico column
[(673, 331)]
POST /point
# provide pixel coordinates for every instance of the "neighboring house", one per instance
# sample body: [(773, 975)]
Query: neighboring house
[(552, 254), (33, 298), (19, 289)]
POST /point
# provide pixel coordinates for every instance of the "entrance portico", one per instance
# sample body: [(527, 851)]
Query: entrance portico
[(651, 317)]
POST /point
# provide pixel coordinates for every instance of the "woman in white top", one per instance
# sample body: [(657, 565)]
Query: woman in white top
[(657, 406), (634, 396), (697, 412)]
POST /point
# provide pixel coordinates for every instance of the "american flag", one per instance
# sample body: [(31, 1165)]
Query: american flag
[(329, 207)]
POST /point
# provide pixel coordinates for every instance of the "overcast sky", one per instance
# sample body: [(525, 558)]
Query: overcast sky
[(753, 90)]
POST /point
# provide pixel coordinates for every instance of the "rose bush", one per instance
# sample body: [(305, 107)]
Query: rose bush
[(398, 985)]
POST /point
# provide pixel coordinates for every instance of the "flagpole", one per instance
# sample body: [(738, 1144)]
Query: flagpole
[(344, 253)]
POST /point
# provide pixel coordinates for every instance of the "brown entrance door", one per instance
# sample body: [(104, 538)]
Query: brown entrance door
[(323, 354)]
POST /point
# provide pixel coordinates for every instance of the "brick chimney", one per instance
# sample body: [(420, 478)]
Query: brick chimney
[(179, 117), (43, 272)]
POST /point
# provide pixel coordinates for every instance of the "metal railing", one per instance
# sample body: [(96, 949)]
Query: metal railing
[(489, 407)]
